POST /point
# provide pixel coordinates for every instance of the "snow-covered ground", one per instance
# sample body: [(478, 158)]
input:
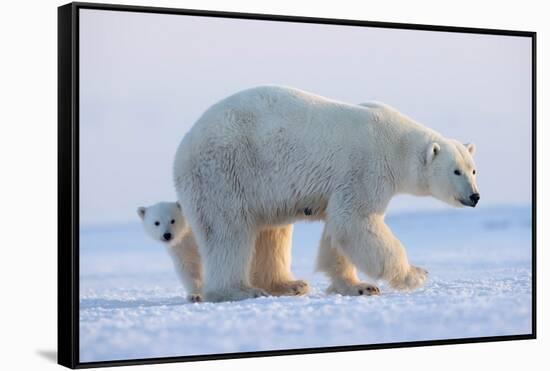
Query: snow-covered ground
[(132, 305)]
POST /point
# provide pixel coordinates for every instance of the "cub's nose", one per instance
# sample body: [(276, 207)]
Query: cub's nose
[(167, 236), (474, 197)]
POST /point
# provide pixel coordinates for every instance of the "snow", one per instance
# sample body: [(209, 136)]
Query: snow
[(132, 305)]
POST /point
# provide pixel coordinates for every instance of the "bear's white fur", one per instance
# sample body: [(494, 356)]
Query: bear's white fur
[(269, 156), (271, 262)]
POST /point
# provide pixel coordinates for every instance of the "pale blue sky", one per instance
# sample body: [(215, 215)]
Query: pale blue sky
[(145, 79)]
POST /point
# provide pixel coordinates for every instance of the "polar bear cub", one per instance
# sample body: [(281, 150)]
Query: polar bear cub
[(165, 223)]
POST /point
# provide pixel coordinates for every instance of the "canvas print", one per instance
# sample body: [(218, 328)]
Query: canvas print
[(251, 185)]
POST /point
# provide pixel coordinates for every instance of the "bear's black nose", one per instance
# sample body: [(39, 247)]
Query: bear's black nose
[(474, 197), (167, 236)]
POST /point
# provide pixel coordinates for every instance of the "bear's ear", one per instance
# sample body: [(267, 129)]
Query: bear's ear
[(433, 150), (141, 212), (471, 147), (178, 205)]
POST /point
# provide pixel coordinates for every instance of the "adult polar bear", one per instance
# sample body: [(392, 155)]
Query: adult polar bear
[(266, 157)]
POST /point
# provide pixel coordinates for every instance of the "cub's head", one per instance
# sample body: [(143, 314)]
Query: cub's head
[(451, 172), (163, 221)]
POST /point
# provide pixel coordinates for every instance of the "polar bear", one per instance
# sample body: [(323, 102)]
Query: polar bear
[(269, 156), (164, 222)]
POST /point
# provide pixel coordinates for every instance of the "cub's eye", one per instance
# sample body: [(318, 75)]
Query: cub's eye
[(172, 221), (157, 224), (457, 172), (474, 172)]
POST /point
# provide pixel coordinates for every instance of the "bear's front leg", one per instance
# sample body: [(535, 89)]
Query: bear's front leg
[(371, 246), (342, 273), (270, 269)]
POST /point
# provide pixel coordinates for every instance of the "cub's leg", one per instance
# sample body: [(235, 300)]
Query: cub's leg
[(270, 269), (341, 272), (187, 262), (371, 246)]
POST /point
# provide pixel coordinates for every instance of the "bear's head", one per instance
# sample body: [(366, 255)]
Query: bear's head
[(451, 172), (163, 221)]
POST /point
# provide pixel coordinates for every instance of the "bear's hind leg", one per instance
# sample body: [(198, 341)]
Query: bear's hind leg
[(270, 269), (226, 252), (341, 271)]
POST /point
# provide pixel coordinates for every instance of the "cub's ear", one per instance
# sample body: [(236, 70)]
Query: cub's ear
[(141, 212), (433, 150), (471, 147), (178, 205)]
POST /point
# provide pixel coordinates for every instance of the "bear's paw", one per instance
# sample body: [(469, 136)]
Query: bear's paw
[(413, 279), (289, 288), (356, 289), (194, 298), (234, 294)]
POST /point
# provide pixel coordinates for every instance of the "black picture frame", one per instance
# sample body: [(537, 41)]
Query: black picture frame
[(68, 181)]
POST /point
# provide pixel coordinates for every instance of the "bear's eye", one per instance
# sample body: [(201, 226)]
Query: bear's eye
[(157, 224), (474, 172), (172, 221), (457, 172)]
